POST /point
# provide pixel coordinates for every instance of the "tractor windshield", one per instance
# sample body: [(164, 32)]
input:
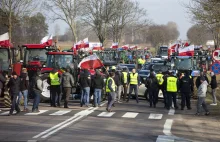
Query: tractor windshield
[(4, 59), (35, 55), (60, 61), (183, 64)]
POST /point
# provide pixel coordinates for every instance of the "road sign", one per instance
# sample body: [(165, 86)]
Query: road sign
[(216, 55), (216, 67)]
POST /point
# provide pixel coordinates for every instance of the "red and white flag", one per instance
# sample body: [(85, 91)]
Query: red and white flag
[(85, 43), (114, 45), (95, 46), (91, 62), (125, 47), (4, 40), (133, 47), (47, 40), (187, 51)]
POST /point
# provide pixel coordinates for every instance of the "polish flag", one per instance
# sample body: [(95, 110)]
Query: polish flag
[(47, 40), (133, 47), (187, 51), (4, 40), (114, 45), (95, 46), (85, 43), (77, 46), (91, 62), (125, 47)]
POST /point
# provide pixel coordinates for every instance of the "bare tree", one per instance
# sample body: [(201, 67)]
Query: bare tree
[(14, 9), (68, 11)]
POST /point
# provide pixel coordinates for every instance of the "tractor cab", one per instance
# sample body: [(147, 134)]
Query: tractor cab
[(110, 56)]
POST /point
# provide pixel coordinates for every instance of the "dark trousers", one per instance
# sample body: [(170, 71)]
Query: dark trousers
[(153, 96), (55, 91), (125, 89), (201, 104), (111, 99), (185, 100), (36, 100), (135, 88), (14, 103), (164, 95), (171, 96), (66, 95)]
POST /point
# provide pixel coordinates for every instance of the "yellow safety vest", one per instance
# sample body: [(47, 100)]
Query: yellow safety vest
[(160, 78), (113, 85), (171, 84), (143, 62), (140, 61), (125, 75), (134, 78), (54, 78)]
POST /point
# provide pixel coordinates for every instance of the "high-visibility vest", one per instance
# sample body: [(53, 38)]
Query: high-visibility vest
[(125, 75), (134, 78), (160, 78), (143, 62), (140, 61), (113, 67), (113, 85), (54, 78), (171, 84)]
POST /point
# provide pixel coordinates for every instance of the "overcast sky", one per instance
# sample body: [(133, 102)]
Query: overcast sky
[(159, 11)]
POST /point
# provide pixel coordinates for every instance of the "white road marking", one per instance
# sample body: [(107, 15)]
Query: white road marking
[(167, 127), (106, 114), (130, 115), (84, 112), (32, 141), (103, 103), (155, 116), (162, 138), (7, 112), (171, 112), (41, 111), (60, 112)]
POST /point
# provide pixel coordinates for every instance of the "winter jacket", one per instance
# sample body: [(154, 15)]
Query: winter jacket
[(118, 79), (67, 80), (84, 80), (98, 82), (2, 81), (152, 84), (24, 82), (37, 84), (198, 80), (202, 89), (185, 84), (213, 82), (14, 86)]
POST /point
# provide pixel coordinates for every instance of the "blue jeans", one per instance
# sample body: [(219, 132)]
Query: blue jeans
[(97, 96), (85, 95), (25, 95), (36, 99), (111, 99)]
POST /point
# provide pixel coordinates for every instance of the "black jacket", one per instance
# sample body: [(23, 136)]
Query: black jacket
[(2, 81), (213, 82), (98, 82), (14, 86), (152, 84), (84, 80), (185, 84), (118, 79), (198, 82), (24, 82)]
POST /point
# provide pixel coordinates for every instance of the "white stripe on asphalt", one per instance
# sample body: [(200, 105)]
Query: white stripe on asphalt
[(130, 115), (32, 141), (155, 116), (7, 112), (106, 114), (41, 111), (171, 112), (162, 138), (167, 127), (60, 112)]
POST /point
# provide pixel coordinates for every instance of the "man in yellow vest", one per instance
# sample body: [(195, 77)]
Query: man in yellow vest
[(110, 90), (54, 81), (140, 62), (171, 84), (134, 82), (160, 78), (125, 82)]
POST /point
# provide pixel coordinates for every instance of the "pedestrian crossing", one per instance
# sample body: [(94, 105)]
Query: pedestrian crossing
[(93, 113)]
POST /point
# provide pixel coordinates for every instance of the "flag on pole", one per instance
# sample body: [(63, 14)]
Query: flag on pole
[(133, 47), (91, 62), (47, 40), (125, 47), (4, 40), (187, 51), (114, 45), (95, 46)]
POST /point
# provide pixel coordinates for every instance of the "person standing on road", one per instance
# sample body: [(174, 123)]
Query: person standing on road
[(37, 90), (118, 81), (198, 82), (152, 86), (171, 84), (98, 84), (134, 82), (54, 81), (186, 84), (85, 83), (24, 88), (125, 82), (213, 86), (202, 90), (110, 90), (14, 87), (67, 83), (160, 80)]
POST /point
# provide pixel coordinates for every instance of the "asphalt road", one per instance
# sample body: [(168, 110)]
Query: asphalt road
[(130, 122)]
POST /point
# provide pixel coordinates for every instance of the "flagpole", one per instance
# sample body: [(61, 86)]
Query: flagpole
[(103, 65)]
